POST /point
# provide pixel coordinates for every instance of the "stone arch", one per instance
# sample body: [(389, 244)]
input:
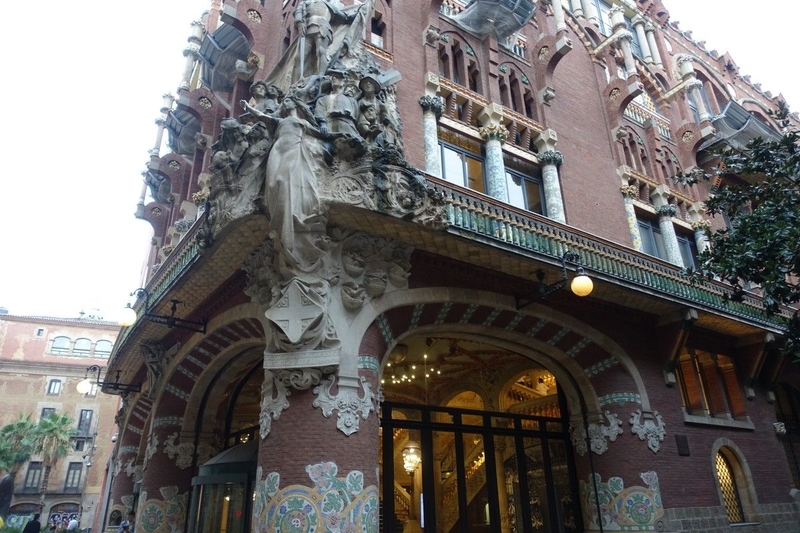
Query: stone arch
[(582, 352), (741, 472)]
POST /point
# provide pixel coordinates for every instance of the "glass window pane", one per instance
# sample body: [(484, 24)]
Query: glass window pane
[(533, 196), (452, 166), (475, 174), (566, 507), (516, 192), (533, 464)]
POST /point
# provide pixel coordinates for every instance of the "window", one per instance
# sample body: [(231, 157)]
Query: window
[(103, 348), (524, 185), (73, 482), (378, 30), (462, 163), (728, 488), (85, 422), (33, 477), (47, 411), (40, 332), (60, 346), (709, 385), (82, 347), (653, 243), (54, 387)]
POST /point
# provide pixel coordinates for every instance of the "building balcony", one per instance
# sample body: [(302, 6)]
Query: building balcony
[(640, 114)]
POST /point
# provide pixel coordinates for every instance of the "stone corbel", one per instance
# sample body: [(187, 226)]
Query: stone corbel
[(649, 426), (672, 332), (431, 84), (599, 434), (491, 115), (751, 353), (347, 402)]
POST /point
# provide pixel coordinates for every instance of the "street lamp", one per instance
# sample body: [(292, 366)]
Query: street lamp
[(85, 385), (129, 315), (581, 285)]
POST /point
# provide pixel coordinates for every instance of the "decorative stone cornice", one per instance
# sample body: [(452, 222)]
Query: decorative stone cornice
[(494, 132), (667, 210), (432, 103), (551, 157), (629, 191), (701, 225)]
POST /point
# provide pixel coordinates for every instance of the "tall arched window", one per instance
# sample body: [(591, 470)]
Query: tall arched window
[(726, 478)]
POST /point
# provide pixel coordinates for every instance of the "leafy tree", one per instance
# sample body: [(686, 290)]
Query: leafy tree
[(16, 444), (52, 440), (761, 244)]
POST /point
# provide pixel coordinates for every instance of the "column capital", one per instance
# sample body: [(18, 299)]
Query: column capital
[(551, 157), (666, 210), (494, 132), (701, 225), (629, 191), (625, 35), (192, 49), (432, 103), (637, 20)]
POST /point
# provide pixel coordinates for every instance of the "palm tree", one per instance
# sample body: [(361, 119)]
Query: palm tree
[(52, 440), (16, 445)]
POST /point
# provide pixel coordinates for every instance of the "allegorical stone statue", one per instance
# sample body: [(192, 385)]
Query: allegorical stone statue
[(313, 20)]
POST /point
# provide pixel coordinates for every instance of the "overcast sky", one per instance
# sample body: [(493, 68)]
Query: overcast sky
[(82, 86)]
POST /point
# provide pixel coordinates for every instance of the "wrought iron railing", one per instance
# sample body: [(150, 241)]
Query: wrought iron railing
[(470, 212)]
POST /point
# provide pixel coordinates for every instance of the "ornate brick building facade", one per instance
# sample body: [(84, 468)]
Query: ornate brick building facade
[(42, 360), (359, 316)]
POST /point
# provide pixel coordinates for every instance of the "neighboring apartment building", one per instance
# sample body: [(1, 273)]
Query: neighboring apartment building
[(42, 359), (358, 315)]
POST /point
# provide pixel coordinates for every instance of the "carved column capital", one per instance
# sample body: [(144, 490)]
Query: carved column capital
[(551, 157), (666, 210), (432, 103), (629, 191), (701, 225), (625, 35), (192, 50), (494, 131)]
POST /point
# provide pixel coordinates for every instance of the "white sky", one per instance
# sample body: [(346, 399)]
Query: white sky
[(82, 86)]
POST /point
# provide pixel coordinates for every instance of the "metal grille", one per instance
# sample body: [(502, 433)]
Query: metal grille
[(730, 494)]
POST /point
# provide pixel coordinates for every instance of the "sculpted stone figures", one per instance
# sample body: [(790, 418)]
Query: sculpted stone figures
[(313, 20), (290, 193)]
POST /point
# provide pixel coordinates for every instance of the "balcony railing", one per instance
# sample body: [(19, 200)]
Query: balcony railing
[(639, 114), (469, 212)]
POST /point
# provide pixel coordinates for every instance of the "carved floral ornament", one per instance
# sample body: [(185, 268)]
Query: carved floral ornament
[(629, 191), (551, 157), (701, 225), (598, 433), (347, 402), (649, 426), (496, 132), (667, 210), (432, 103)]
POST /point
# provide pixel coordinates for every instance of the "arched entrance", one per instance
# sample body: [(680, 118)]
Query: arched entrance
[(474, 438)]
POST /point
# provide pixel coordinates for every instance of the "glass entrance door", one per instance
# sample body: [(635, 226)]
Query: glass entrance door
[(475, 472)]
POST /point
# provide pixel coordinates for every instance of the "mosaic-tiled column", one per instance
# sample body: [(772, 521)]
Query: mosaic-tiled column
[(496, 185), (551, 160), (318, 454), (432, 109), (638, 27), (701, 228), (166, 477), (665, 214), (126, 469), (629, 192), (650, 31)]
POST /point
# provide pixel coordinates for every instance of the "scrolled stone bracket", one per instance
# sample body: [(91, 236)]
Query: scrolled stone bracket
[(649, 426), (347, 402)]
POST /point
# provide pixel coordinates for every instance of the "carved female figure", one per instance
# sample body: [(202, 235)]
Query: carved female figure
[(290, 193)]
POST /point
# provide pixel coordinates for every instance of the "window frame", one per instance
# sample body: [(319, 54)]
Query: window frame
[(100, 352), (78, 347), (54, 387), (515, 171), (85, 422), (464, 153), (46, 412), (33, 475), (59, 350), (72, 481)]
